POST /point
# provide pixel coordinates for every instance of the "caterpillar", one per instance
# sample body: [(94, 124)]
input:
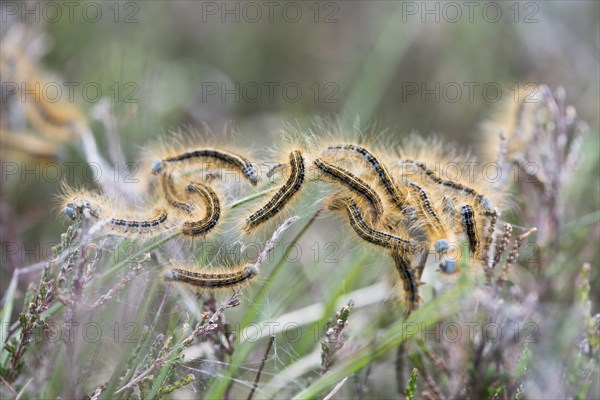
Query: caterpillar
[(212, 213), (469, 227), (353, 182), (426, 207), (75, 207), (141, 226), (223, 156), (26, 144), (365, 232), (50, 121), (169, 193), (384, 176), (215, 280), (516, 118), (409, 282), (283, 195), (458, 187)]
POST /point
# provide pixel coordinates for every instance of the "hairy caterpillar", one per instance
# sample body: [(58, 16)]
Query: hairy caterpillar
[(220, 155), (438, 232), (516, 118), (409, 282), (354, 183), (469, 227), (283, 195), (384, 176), (425, 205), (56, 120), (51, 121), (212, 280), (24, 144), (169, 192), (364, 231), (76, 205), (458, 187), (212, 213), (142, 225)]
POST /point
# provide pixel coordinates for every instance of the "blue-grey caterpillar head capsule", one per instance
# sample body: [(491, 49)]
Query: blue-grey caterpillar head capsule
[(441, 245), (448, 266), (250, 173), (157, 167), (171, 275), (251, 269), (71, 212)]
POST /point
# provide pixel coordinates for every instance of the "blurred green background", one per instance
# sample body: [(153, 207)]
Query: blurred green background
[(351, 58)]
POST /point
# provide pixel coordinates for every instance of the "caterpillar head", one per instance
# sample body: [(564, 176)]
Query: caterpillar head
[(74, 210), (157, 167), (250, 173), (448, 266), (449, 256)]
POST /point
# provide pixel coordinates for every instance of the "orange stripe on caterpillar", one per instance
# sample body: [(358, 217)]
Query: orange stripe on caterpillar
[(384, 176), (283, 195), (426, 207), (212, 213), (354, 183), (458, 187), (216, 280), (409, 281), (168, 188), (224, 156), (364, 231)]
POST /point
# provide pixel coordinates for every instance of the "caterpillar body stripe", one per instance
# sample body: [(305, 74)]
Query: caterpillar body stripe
[(169, 192), (283, 195), (469, 227), (426, 206), (384, 176), (367, 233), (212, 213), (353, 182), (212, 280), (484, 201), (409, 281), (238, 162), (138, 226)]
